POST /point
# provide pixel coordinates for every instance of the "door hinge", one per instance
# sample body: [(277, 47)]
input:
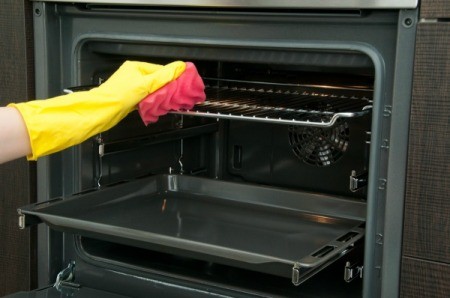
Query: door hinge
[(64, 279)]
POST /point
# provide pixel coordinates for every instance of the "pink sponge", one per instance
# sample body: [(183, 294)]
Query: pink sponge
[(181, 94)]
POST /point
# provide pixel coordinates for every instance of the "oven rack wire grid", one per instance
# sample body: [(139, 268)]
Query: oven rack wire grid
[(293, 104)]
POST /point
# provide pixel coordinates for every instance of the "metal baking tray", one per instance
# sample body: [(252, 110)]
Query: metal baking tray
[(266, 229)]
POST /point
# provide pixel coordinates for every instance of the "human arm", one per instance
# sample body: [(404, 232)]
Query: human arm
[(14, 139), (57, 123)]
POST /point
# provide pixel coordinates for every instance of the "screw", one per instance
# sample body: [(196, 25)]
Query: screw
[(408, 22)]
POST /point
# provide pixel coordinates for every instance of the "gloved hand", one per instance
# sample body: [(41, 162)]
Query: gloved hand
[(58, 123), (180, 94)]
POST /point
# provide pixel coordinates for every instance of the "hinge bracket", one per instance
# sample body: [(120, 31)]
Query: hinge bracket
[(296, 274), (352, 271), (64, 279)]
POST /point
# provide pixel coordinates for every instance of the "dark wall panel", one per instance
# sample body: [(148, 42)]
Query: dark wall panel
[(433, 280), (17, 178), (426, 239), (427, 205), (432, 9)]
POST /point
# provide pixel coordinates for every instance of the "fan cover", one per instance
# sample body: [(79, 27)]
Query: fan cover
[(319, 146)]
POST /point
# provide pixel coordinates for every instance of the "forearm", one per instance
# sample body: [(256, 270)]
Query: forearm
[(14, 140), (41, 127)]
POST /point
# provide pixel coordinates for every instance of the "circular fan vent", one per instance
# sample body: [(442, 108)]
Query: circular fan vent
[(319, 146)]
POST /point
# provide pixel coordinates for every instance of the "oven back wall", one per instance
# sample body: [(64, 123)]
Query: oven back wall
[(17, 178)]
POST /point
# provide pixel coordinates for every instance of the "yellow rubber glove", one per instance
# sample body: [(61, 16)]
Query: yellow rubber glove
[(58, 123)]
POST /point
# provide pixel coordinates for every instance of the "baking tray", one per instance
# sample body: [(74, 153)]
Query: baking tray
[(266, 229)]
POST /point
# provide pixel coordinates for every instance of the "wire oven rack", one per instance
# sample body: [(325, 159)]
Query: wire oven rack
[(317, 106)]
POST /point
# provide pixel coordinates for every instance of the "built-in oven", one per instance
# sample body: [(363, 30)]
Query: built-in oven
[(276, 185)]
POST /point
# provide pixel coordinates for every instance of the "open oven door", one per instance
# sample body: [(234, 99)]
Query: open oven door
[(64, 287), (52, 292)]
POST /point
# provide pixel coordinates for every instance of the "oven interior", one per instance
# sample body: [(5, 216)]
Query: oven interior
[(271, 120), (253, 190)]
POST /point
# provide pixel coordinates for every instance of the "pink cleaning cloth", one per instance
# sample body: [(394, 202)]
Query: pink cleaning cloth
[(180, 94)]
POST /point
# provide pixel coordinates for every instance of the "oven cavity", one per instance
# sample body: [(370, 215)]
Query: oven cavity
[(253, 180), (293, 118)]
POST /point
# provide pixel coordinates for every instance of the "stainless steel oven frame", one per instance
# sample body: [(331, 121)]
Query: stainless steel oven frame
[(389, 131), (305, 4)]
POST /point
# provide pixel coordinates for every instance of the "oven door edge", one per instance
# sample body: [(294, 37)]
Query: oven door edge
[(52, 292)]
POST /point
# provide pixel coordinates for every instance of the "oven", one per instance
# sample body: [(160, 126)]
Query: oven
[(275, 186)]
